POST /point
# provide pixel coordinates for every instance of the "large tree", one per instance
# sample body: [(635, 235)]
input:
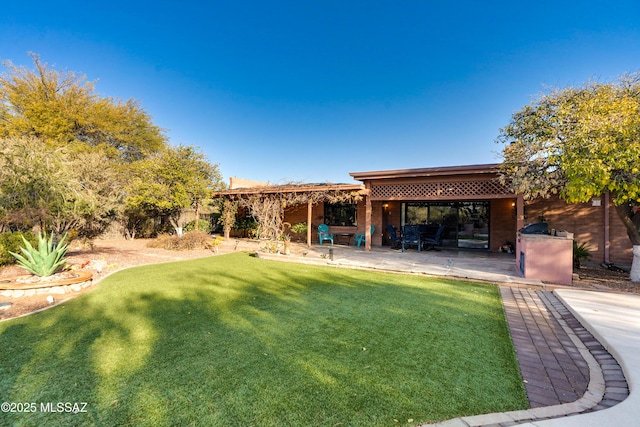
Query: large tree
[(61, 108), (580, 142), (167, 184), (56, 189)]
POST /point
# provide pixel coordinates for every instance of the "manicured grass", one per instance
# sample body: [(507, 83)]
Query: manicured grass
[(236, 340)]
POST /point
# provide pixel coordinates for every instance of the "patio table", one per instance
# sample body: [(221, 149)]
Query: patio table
[(340, 237)]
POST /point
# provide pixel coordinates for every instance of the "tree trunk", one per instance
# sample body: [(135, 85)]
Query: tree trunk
[(631, 220), (635, 266), (129, 234), (176, 223)]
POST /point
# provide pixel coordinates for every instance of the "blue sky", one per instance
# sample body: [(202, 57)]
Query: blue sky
[(308, 91)]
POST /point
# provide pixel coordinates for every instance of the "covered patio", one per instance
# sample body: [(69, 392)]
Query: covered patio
[(273, 206), (475, 209)]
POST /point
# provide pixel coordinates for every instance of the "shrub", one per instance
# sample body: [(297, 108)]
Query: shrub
[(46, 259), (299, 228), (202, 226), (580, 252), (189, 240), (248, 227), (11, 242)]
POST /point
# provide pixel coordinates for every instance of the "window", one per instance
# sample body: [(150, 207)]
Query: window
[(340, 214)]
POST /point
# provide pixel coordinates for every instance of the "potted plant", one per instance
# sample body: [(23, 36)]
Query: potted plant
[(215, 243), (286, 238)]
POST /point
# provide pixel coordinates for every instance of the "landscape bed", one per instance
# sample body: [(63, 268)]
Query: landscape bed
[(236, 340)]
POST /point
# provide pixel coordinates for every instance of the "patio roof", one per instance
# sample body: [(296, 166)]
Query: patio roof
[(470, 182), (292, 188)]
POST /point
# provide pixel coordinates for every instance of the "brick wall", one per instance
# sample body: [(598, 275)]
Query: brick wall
[(502, 223), (296, 214), (587, 224), (584, 220), (390, 216)]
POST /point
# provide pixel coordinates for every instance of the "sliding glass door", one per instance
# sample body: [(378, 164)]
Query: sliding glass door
[(473, 225), (466, 224)]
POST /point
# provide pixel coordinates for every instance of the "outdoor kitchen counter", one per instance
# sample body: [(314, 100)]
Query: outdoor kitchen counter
[(545, 257)]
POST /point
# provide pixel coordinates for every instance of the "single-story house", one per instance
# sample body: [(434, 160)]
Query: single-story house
[(475, 209)]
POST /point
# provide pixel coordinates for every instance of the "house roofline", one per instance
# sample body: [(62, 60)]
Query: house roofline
[(490, 168)]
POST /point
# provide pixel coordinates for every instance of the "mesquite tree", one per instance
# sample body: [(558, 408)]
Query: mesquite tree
[(580, 142), (167, 184)]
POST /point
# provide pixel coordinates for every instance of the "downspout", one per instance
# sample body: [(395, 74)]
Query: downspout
[(607, 237)]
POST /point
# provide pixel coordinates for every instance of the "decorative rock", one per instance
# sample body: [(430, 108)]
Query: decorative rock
[(98, 265), (5, 305), (62, 283)]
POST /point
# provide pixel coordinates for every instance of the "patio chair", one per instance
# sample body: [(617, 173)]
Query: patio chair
[(394, 240), (432, 242), (324, 234), (411, 236), (360, 237)]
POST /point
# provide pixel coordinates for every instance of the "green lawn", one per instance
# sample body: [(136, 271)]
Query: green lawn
[(236, 340)]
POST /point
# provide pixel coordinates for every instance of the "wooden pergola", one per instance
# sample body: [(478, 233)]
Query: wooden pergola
[(297, 194)]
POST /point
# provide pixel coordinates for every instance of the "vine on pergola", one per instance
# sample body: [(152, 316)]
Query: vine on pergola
[(268, 206)]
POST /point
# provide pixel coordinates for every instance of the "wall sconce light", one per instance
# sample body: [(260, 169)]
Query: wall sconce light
[(596, 201)]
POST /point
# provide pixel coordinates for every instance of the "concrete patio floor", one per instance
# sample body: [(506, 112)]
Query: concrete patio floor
[(465, 264)]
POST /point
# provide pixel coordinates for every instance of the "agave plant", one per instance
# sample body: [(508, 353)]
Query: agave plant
[(46, 259)]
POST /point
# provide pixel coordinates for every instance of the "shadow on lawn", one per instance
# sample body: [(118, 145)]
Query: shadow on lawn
[(237, 341)]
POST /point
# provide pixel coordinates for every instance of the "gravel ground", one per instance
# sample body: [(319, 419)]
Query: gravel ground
[(106, 257)]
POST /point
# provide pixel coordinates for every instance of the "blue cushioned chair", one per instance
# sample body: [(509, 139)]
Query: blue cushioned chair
[(324, 234), (432, 242), (394, 240), (360, 237), (411, 236)]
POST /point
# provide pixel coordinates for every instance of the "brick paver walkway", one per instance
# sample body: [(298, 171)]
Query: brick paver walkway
[(550, 344)]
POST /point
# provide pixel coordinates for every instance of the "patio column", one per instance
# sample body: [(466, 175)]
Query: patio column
[(309, 215), (367, 218)]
